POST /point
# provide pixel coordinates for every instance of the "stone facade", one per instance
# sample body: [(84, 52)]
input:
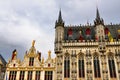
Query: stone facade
[(89, 52), (32, 67)]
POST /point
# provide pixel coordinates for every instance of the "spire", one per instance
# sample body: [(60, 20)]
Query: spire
[(97, 14), (98, 20), (60, 17), (60, 21)]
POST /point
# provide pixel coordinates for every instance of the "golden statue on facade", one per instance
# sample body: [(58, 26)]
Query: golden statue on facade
[(33, 43)]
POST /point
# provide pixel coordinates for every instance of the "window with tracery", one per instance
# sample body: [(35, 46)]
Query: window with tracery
[(67, 66), (111, 64), (96, 66), (81, 66)]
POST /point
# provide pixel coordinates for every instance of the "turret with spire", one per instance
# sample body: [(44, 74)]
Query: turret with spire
[(60, 21), (59, 30), (98, 20)]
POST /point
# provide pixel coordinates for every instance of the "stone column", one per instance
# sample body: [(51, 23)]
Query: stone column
[(33, 75), (17, 75), (42, 75), (26, 73)]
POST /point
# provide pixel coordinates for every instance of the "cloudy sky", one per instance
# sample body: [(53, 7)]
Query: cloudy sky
[(22, 21)]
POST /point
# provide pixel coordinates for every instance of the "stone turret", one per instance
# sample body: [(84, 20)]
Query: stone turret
[(59, 33), (60, 21)]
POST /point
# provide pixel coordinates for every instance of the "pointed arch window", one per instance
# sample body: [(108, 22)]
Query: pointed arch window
[(111, 64), (67, 66), (81, 66), (96, 66)]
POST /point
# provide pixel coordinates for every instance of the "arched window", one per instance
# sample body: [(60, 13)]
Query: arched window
[(111, 64), (67, 65), (81, 66), (96, 66)]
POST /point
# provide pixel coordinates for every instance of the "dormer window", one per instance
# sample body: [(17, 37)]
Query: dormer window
[(31, 61)]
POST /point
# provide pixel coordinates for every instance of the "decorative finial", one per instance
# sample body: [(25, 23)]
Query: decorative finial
[(49, 54), (33, 43), (42, 59)]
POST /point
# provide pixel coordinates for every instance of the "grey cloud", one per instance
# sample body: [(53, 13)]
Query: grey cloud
[(21, 21)]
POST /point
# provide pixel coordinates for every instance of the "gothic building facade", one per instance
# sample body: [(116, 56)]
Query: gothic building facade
[(32, 67), (89, 52)]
